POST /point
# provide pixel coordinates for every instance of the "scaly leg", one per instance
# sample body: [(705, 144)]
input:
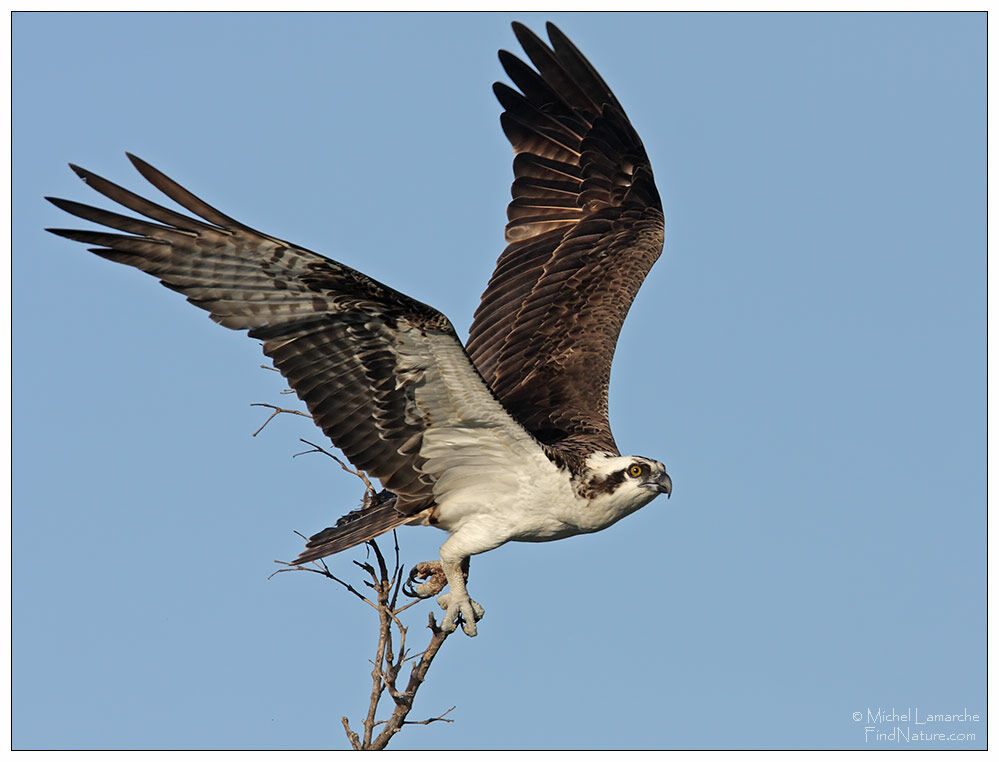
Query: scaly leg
[(456, 602)]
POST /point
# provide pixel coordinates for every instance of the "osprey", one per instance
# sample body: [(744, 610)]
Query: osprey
[(506, 438)]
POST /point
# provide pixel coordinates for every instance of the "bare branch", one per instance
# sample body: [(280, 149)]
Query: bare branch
[(277, 411), (322, 569), (388, 661), (351, 735), (386, 585), (441, 718), (405, 702), (356, 472), (384, 635)]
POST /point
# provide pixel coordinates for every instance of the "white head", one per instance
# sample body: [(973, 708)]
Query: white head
[(623, 484)]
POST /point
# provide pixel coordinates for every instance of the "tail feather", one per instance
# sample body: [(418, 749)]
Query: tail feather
[(378, 514)]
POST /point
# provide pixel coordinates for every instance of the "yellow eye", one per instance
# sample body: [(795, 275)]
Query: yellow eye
[(635, 470)]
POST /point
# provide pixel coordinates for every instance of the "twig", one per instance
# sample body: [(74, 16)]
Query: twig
[(388, 662), (355, 471), (442, 718), (351, 735), (405, 703), (386, 585), (322, 569), (384, 642), (277, 411)]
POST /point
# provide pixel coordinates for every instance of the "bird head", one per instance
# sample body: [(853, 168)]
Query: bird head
[(628, 481)]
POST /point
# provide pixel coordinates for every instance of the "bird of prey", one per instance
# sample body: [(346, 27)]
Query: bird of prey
[(504, 439)]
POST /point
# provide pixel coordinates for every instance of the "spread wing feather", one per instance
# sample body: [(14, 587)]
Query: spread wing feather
[(383, 375), (333, 332), (585, 226)]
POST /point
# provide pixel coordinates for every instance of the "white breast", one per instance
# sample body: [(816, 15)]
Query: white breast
[(493, 482)]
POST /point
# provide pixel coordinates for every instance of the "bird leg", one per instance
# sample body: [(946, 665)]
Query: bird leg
[(456, 603), (430, 571)]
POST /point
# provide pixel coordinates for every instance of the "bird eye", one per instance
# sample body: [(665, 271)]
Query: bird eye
[(635, 470)]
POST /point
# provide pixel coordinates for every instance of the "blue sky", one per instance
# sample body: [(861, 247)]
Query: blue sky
[(807, 357)]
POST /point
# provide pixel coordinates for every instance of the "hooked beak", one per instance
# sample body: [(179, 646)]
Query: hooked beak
[(663, 485)]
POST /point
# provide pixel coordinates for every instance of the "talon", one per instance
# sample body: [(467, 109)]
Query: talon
[(430, 571), (462, 609)]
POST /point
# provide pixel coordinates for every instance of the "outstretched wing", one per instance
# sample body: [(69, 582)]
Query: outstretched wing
[(375, 367), (585, 226)]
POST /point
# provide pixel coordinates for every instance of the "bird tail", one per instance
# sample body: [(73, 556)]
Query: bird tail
[(376, 515)]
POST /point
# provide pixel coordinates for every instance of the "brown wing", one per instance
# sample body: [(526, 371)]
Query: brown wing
[(331, 331), (585, 226)]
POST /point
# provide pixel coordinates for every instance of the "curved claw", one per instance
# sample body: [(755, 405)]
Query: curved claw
[(430, 571), (464, 607)]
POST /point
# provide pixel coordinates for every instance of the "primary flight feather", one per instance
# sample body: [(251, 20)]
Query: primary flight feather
[(504, 439)]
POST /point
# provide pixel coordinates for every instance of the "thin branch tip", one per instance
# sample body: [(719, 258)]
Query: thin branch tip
[(277, 411), (391, 652)]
